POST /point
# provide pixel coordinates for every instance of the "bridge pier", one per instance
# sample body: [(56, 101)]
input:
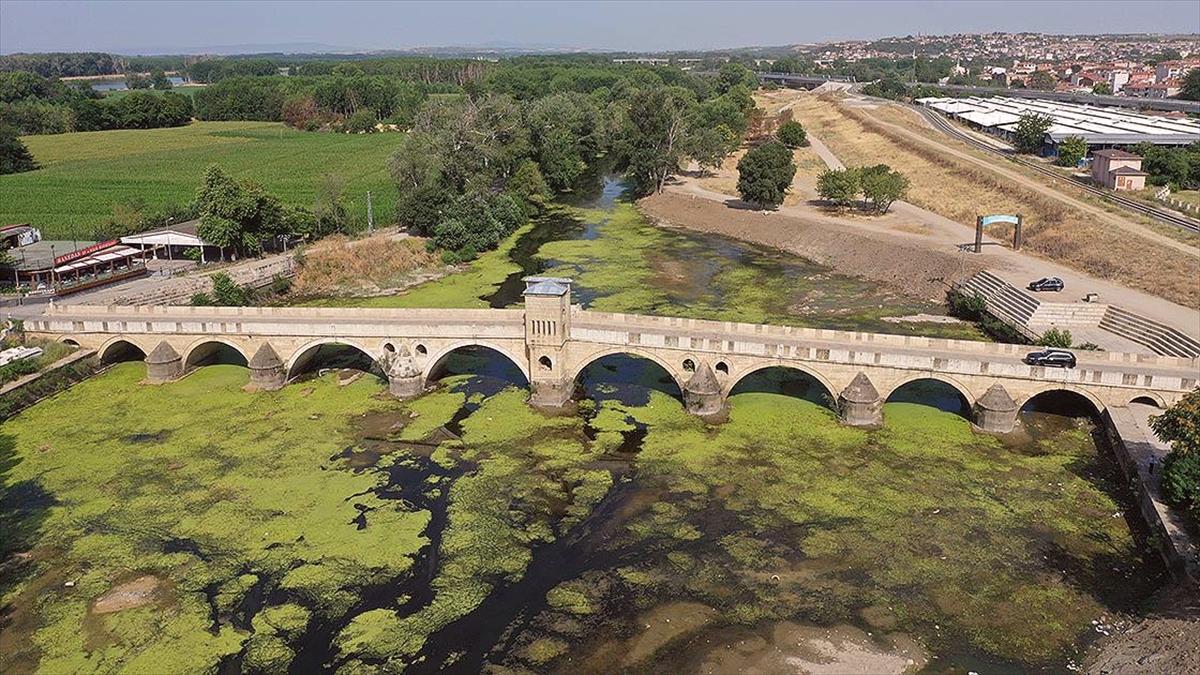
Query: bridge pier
[(267, 372), (164, 364), (405, 379), (859, 404), (702, 393), (996, 411)]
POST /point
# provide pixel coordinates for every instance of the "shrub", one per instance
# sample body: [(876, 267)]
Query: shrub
[(792, 134), (1181, 483), (1056, 337)]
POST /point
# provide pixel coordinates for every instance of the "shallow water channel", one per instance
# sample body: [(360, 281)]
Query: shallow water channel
[(328, 527)]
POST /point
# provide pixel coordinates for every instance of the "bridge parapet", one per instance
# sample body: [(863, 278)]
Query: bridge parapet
[(759, 333), (551, 342)]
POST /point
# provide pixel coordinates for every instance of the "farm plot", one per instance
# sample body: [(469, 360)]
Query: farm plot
[(84, 174)]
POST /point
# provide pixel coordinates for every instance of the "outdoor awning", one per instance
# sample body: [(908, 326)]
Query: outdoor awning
[(101, 257)]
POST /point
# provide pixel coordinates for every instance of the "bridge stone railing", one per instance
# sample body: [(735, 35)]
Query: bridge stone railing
[(702, 328)]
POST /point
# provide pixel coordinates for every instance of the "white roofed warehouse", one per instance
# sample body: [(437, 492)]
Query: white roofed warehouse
[(1099, 127)]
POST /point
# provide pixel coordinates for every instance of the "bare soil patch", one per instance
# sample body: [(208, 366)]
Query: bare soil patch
[(907, 266), (140, 591)]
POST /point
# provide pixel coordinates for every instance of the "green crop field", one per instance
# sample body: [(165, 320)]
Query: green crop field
[(84, 174)]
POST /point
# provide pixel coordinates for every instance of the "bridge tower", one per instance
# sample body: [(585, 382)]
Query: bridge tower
[(547, 329)]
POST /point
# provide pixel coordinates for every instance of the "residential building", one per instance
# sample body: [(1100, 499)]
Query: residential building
[(1118, 170)]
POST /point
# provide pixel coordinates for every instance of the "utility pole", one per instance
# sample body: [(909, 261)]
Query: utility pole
[(370, 214)]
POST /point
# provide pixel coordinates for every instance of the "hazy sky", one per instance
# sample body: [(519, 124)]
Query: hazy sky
[(188, 26)]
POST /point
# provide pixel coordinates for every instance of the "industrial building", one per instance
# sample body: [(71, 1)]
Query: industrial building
[(1098, 127)]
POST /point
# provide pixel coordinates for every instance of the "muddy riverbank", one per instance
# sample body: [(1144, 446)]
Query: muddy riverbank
[(913, 269)]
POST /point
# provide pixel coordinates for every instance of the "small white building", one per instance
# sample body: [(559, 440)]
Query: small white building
[(173, 241)]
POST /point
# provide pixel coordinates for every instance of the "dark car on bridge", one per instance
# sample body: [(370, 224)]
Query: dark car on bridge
[(1056, 358), (1047, 284)]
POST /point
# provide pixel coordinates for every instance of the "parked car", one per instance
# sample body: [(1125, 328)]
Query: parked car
[(1056, 358), (1047, 284)]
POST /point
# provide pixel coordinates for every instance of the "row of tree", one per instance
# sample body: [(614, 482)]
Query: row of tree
[(878, 186), (32, 104)]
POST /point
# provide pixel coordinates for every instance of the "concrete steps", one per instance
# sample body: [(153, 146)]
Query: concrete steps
[(1160, 338), (1067, 314), (1004, 301)]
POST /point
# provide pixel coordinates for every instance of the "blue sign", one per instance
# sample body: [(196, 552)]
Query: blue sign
[(988, 220)]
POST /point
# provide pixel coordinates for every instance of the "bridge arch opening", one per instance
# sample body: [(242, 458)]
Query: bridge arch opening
[(118, 351), (626, 377), (788, 381), (333, 355), (214, 352), (491, 368), (69, 341), (933, 392), (1062, 403), (1151, 401)]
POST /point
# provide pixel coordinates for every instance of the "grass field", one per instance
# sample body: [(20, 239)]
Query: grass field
[(84, 174)]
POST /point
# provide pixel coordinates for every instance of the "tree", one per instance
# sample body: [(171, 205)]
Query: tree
[(136, 81), (329, 211), (559, 160), (529, 186), (1191, 85), (1031, 132), (160, 80), (765, 174), (652, 138), (237, 215), (362, 121), (838, 186), (710, 146), (792, 134), (1042, 79), (882, 186), (14, 156), (732, 74), (1071, 150), (1102, 89), (1179, 425)]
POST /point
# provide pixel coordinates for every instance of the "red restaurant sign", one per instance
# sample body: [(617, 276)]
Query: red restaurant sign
[(84, 252)]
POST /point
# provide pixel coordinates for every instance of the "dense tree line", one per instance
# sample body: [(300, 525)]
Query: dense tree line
[(476, 166), (312, 102), (36, 105), (56, 64), (215, 70), (1178, 167)]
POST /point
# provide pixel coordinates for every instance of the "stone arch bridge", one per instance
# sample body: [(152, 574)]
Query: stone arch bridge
[(551, 341)]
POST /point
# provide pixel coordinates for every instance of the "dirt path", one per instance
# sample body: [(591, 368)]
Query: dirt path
[(1000, 167)]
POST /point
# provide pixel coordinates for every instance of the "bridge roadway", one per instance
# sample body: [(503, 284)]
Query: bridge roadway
[(551, 342)]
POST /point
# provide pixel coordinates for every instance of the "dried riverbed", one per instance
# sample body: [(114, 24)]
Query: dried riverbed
[(194, 527)]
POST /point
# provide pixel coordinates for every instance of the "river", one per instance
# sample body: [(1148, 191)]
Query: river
[(326, 526)]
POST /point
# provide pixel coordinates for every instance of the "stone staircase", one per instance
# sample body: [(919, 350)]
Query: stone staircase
[(1032, 317), (1160, 338), (1004, 301)]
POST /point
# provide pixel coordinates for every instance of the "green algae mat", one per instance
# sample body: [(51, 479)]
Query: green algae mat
[(192, 527)]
